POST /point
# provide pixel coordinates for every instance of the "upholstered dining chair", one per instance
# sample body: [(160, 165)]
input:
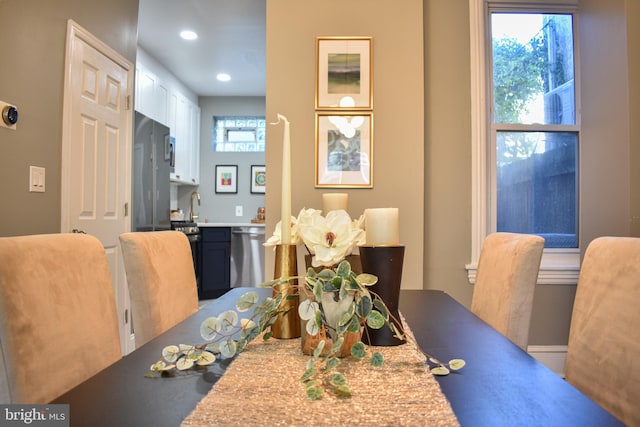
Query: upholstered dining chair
[(604, 337), (161, 279), (505, 283), (58, 318)]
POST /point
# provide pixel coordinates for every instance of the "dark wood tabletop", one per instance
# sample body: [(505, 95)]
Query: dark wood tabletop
[(500, 384)]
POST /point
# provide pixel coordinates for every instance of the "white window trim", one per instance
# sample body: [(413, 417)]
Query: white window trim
[(558, 266)]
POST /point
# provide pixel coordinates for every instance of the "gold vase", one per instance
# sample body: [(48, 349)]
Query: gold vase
[(287, 325)]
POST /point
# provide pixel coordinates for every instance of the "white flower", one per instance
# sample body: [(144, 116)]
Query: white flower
[(276, 238), (358, 224), (330, 239)]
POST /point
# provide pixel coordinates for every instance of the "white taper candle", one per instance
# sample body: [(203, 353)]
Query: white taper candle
[(285, 208)]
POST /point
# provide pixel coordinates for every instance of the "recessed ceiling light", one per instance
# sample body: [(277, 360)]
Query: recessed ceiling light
[(223, 77), (188, 35)]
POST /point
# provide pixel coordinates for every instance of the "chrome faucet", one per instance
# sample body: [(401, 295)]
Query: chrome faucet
[(195, 194)]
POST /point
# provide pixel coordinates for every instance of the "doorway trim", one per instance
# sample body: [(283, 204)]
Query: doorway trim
[(76, 32)]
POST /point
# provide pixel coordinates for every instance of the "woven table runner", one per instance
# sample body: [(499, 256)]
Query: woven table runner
[(262, 387)]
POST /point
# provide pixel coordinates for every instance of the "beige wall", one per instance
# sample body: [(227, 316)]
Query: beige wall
[(447, 120), (633, 57), (31, 77), (398, 162), (604, 143)]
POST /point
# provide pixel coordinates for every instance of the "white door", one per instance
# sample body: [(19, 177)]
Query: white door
[(96, 154)]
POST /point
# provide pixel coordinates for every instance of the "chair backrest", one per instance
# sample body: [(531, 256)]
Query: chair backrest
[(161, 279), (58, 318), (604, 340), (505, 283)]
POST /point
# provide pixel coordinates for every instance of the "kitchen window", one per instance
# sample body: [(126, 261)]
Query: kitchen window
[(238, 134), (526, 128)]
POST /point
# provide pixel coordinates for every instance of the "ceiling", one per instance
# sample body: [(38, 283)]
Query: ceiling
[(231, 39)]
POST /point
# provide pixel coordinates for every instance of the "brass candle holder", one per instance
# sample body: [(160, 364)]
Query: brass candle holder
[(287, 325)]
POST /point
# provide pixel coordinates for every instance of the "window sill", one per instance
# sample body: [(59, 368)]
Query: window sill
[(548, 275)]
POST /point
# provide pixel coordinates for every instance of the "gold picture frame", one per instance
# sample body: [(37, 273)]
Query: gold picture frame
[(344, 73), (344, 149)]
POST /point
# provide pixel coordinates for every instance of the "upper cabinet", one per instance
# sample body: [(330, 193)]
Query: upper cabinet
[(161, 99), (152, 95), (187, 141)]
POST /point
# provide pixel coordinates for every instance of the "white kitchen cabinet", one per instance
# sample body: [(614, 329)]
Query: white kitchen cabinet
[(151, 95), (194, 120), (161, 99), (186, 142), (172, 112)]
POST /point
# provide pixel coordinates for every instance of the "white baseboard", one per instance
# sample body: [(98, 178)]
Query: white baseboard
[(552, 356)]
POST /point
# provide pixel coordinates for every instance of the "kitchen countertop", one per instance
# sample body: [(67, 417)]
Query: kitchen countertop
[(229, 224)]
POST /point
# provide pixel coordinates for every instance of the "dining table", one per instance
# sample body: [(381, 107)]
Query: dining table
[(500, 385)]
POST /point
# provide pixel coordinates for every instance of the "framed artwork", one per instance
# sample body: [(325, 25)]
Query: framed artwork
[(344, 150), (226, 179), (344, 73), (258, 179)]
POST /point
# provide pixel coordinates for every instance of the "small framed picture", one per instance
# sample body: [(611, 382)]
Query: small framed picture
[(226, 179), (258, 179), (344, 75), (344, 149)]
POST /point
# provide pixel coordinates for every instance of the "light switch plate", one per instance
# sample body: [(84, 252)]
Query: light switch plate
[(36, 179), (238, 210)]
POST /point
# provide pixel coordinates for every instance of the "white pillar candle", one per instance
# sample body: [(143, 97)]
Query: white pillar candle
[(285, 207), (381, 227), (334, 202)]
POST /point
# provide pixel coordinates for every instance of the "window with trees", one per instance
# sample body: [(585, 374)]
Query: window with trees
[(526, 128), (534, 128)]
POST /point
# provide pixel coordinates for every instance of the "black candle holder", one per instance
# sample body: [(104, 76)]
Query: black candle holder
[(386, 263)]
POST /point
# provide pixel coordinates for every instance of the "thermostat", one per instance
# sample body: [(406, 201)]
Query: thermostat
[(9, 115)]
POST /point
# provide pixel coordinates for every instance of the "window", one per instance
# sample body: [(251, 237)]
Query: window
[(533, 129), (238, 134), (526, 134)]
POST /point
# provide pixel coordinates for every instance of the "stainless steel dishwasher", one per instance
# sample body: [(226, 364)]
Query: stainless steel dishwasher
[(247, 256)]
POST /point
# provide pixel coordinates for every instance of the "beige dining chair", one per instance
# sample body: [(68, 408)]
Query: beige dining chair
[(505, 283), (604, 340), (58, 318), (161, 279)]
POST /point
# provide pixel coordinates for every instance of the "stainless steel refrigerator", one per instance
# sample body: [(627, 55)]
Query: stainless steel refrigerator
[(152, 152)]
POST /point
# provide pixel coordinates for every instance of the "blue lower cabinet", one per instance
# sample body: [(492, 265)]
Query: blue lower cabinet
[(215, 277)]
